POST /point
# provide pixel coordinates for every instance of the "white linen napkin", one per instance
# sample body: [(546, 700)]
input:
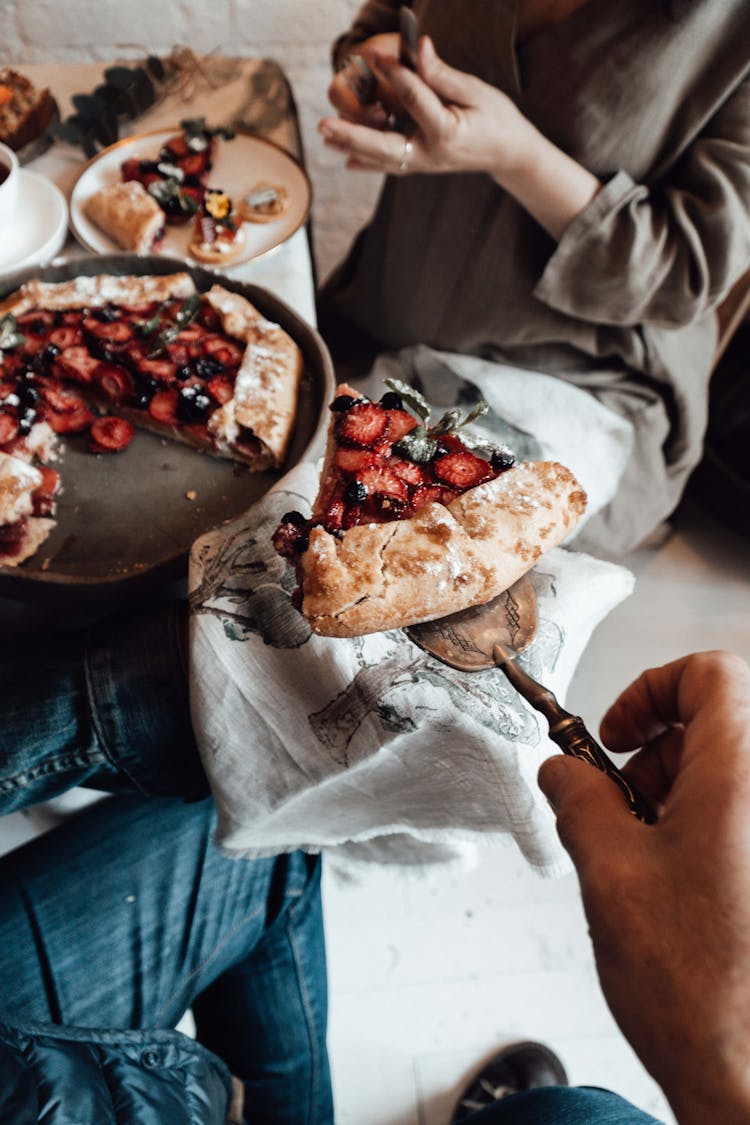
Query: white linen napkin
[(318, 742)]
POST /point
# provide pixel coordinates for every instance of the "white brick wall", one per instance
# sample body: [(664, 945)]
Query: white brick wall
[(297, 33)]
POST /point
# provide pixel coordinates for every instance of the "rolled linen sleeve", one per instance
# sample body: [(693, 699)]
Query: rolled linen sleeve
[(663, 254), (372, 18)]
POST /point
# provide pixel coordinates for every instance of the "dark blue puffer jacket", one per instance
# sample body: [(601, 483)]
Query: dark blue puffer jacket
[(67, 1076)]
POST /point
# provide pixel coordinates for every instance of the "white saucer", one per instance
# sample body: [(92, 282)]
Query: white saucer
[(39, 228)]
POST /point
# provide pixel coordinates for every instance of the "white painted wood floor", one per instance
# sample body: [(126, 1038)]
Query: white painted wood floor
[(429, 976)]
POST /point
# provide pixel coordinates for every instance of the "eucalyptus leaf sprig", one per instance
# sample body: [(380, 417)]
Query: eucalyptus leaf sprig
[(422, 443), (125, 94)]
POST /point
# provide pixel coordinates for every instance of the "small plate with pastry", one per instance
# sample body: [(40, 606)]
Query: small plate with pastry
[(193, 192)]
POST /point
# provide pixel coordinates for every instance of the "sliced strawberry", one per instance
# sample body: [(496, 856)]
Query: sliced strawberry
[(221, 387), (43, 496), (179, 354), (110, 435), (408, 471), (8, 428), (381, 481), (462, 470), (163, 407), (228, 356), (71, 316), (196, 164), (61, 400), (209, 318), (333, 520), (191, 332), (175, 148), (352, 516), (130, 169), (76, 363), (36, 321), (139, 312), (114, 331), (362, 424), (353, 460), (66, 336), (399, 423), (223, 351), (161, 369), (114, 381), (432, 494), (453, 443), (290, 537), (71, 422)]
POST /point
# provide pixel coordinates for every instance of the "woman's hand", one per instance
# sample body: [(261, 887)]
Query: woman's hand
[(669, 905), (461, 124)]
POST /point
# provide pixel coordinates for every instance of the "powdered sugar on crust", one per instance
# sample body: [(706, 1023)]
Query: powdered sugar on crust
[(265, 390), (18, 480), (98, 290)]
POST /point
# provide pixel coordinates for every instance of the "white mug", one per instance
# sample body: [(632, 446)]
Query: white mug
[(8, 186)]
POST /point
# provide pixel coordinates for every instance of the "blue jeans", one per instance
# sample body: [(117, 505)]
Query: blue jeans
[(562, 1105), (126, 915)]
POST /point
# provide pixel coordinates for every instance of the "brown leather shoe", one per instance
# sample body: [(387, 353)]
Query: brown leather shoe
[(521, 1066)]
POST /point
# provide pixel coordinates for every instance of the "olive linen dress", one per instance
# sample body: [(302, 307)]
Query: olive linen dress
[(657, 106)]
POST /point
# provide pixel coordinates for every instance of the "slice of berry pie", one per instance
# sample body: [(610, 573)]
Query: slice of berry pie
[(415, 521)]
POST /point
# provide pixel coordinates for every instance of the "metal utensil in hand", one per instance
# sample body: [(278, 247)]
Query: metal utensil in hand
[(491, 635), (407, 55)]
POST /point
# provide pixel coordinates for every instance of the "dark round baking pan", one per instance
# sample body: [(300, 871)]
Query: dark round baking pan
[(126, 522)]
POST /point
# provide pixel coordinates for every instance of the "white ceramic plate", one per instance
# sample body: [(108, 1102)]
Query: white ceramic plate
[(39, 228), (237, 166)]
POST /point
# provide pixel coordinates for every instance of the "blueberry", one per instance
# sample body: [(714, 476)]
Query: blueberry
[(145, 389), (355, 492), (28, 396), (183, 372), (106, 313), (193, 404), (26, 420), (301, 543), (502, 459), (343, 402), (295, 518), (206, 367), (392, 401)]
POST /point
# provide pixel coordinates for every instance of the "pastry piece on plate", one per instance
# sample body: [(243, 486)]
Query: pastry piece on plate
[(128, 214), (263, 203), (411, 523), (217, 235)]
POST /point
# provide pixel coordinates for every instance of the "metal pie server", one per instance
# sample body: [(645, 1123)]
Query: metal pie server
[(492, 635)]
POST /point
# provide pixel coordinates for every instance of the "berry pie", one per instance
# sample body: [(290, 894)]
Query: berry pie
[(102, 355), (415, 521)]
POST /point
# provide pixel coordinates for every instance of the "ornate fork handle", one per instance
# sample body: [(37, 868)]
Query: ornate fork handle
[(569, 732), (571, 736)]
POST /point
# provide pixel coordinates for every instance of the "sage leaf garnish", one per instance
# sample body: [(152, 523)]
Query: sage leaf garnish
[(417, 445), (187, 311), (10, 337), (411, 397)]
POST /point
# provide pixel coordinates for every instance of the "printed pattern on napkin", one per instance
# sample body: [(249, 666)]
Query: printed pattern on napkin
[(320, 742)]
